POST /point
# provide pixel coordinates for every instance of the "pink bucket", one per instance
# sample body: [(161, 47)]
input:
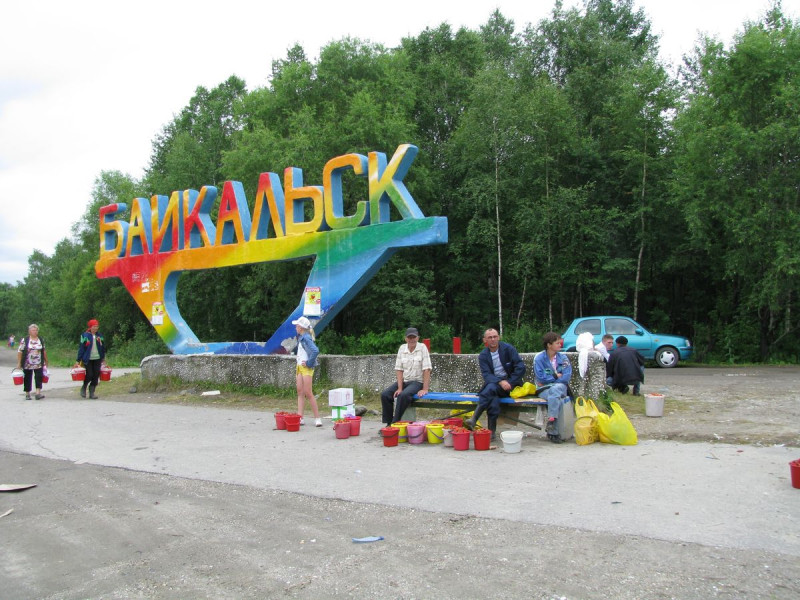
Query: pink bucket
[(416, 433)]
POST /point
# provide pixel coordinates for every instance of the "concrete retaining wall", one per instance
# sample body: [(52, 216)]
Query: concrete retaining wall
[(451, 372)]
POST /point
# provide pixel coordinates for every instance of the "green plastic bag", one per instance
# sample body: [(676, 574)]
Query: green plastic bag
[(617, 428)]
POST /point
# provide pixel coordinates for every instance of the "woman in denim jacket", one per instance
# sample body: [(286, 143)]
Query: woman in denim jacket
[(307, 353)]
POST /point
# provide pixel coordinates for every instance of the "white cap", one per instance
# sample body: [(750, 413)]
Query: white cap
[(303, 322)]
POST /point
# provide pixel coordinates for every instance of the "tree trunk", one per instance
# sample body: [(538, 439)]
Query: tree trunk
[(522, 301), (641, 235), (497, 221)]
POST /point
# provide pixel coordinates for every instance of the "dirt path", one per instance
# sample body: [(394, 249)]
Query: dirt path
[(755, 405)]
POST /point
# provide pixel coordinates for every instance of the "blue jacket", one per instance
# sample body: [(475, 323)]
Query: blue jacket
[(511, 361), (543, 369), (311, 350), (85, 346)]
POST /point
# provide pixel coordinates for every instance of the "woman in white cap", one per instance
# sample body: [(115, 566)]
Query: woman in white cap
[(307, 353)]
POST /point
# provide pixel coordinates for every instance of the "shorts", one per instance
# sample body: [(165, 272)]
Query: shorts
[(301, 370)]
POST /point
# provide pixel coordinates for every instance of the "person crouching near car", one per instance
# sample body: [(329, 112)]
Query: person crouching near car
[(92, 355), (552, 371), (625, 367)]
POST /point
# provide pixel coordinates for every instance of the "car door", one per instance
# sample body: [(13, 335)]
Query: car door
[(638, 337)]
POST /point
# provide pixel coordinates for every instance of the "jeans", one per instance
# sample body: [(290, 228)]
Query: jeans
[(489, 400), (404, 400), (554, 395)]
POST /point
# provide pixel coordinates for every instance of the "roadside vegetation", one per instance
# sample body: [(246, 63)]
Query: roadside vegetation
[(579, 175)]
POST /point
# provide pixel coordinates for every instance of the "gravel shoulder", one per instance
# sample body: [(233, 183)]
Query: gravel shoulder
[(574, 527)]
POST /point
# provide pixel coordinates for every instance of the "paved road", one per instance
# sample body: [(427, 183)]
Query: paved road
[(672, 519)]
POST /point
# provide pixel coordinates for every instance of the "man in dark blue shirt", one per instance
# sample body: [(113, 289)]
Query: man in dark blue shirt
[(502, 370)]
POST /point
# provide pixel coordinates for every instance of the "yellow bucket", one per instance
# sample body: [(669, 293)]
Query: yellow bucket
[(402, 435), (435, 433)]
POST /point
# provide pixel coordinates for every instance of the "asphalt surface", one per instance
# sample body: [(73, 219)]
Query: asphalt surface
[(155, 500)]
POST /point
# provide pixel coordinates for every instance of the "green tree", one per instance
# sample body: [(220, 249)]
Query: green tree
[(736, 178)]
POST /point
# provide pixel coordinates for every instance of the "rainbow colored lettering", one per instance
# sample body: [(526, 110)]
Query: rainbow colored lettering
[(166, 236)]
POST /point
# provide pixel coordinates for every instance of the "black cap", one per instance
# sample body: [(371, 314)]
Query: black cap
[(412, 331)]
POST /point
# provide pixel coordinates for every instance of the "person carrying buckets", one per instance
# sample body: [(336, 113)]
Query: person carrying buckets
[(92, 356), (32, 359)]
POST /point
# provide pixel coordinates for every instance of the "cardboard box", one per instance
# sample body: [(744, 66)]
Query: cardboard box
[(340, 397), (340, 412)]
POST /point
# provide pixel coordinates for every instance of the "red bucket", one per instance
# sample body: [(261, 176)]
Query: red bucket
[(460, 439), (280, 420), (19, 376), (483, 439), (45, 376), (390, 436), (794, 468), (78, 374), (355, 425), (105, 373), (342, 429), (454, 421), (292, 422)]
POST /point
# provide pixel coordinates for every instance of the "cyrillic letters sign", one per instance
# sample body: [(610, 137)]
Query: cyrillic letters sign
[(165, 236)]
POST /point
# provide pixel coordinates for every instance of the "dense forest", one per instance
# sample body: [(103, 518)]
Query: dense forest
[(579, 175)]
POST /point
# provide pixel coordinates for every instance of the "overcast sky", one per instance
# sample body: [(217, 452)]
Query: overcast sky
[(86, 85)]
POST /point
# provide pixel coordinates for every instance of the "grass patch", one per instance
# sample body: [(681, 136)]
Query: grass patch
[(172, 390)]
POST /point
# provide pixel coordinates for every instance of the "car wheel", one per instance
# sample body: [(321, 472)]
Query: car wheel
[(572, 349), (667, 357)]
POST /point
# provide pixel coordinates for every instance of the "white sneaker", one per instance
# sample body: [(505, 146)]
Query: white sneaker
[(302, 421), (318, 422)]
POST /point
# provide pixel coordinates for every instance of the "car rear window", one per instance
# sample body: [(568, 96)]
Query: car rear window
[(620, 326), (590, 325)]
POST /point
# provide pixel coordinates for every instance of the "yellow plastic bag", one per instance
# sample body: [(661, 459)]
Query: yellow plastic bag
[(461, 413), (616, 429), (586, 431), (586, 421), (526, 389), (585, 407)]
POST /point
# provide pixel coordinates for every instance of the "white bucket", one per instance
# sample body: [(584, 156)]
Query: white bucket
[(654, 405), (512, 441)]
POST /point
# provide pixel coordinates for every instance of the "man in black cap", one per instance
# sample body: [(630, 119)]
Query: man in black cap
[(413, 370), (625, 367)]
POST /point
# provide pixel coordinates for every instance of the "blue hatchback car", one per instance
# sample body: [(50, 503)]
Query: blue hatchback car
[(665, 349)]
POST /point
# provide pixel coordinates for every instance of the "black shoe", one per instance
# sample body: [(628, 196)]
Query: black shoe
[(27, 396), (470, 424), (552, 426), (93, 397), (624, 389), (555, 438), (83, 392)]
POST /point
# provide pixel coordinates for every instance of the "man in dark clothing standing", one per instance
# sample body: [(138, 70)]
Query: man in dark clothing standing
[(625, 367), (502, 370)]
